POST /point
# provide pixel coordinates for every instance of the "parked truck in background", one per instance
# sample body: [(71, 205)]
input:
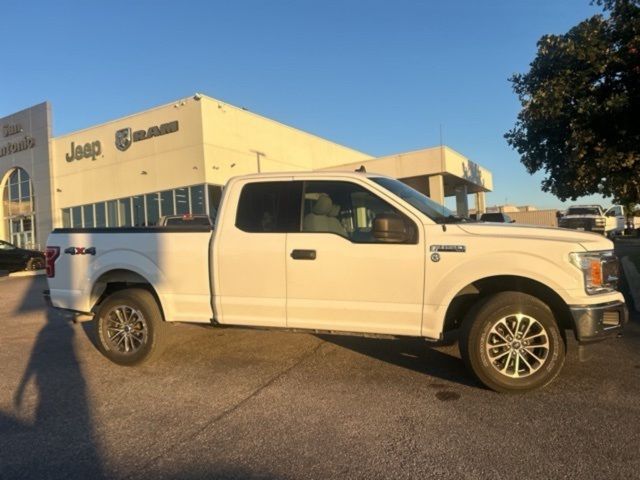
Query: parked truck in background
[(350, 253), (593, 218)]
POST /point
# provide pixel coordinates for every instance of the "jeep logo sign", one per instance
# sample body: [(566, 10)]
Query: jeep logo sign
[(88, 150), (124, 136)]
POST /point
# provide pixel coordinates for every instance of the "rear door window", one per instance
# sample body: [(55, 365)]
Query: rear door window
[(270, 207)]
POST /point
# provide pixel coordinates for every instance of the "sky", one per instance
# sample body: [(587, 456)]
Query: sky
[(382, 77)]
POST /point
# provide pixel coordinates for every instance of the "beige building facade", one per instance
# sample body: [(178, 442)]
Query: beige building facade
[(437, 172), (174, 159)]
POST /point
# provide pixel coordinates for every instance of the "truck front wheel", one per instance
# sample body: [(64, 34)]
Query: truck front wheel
[(130, 327), (512, 343)]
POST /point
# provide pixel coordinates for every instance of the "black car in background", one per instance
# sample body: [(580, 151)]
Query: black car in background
[(13, 259), (497, 217)]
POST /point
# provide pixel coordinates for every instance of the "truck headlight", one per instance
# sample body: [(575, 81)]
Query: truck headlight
[(601, 221), (600, 270)]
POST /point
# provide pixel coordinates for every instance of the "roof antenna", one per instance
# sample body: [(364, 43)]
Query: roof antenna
[(361, 169)]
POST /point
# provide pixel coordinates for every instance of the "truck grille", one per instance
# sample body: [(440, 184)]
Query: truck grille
[(610, 319), (575, 223)]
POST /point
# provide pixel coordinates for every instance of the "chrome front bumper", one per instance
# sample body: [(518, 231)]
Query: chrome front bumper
[(596, 322)]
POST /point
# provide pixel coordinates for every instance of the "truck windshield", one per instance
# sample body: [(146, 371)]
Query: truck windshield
[(583, 211), (436, 212)]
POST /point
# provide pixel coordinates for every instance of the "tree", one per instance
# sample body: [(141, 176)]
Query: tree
[(580, 116)]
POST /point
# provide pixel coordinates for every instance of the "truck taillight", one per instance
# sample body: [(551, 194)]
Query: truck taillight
[(51, 255)]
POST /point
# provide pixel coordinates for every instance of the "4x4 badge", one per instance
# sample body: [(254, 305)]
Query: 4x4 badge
[(80, 251)]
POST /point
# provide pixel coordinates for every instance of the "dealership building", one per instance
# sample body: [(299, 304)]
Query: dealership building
[(174, 159)]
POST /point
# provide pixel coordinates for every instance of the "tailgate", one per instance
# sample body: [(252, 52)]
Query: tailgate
[(173, 261)]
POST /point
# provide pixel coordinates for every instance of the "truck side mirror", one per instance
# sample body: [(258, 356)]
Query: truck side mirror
[(389, 228)]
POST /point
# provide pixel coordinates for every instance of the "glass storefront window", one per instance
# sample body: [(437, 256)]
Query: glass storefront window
[(215, 194), (66, 218), (25, 207), (25, 190), (14, 190), (182, 201), (87, 212), (166, 203), (76, 217), (101, 218), (112, 213), (197, 199), (138, 211), (153, 209), (141, 210), (124, 208)]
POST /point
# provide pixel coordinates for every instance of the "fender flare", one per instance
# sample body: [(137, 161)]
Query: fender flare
[(547, 273), (128, 260)]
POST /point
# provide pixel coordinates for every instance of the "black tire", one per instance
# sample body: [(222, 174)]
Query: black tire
[(484, 339), (35, 264), (133, 341)]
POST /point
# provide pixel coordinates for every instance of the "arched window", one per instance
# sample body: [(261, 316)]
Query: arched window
[(18, 209)]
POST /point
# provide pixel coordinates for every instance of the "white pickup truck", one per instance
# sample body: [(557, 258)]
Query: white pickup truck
[(346, 253), (593, 218)]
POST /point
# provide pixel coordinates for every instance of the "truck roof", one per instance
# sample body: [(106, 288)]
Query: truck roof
[(294, 174)]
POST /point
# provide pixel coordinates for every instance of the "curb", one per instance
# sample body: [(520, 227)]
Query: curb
[(633, 279), (30, 273)]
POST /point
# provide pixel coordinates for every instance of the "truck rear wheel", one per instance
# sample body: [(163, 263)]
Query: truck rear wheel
[(130, 328), (512, 343)]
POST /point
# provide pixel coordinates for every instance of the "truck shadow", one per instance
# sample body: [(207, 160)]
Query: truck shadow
[(58, 439), (412, 354)]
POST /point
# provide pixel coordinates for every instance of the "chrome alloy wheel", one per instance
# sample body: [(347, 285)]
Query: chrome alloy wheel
[(517, 345), (126, 329)]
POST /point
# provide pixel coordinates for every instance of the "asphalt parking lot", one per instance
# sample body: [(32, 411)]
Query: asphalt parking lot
[(231, 403)]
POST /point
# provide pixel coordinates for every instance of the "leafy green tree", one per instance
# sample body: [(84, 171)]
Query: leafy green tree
[(580, 116)]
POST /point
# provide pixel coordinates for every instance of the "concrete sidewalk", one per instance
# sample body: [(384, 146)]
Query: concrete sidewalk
[(26, 273)]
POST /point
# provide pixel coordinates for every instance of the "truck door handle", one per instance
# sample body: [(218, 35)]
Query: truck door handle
[(303, 254)]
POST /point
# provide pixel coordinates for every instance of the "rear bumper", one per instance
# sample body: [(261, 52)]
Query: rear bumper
[(77, 316), (596, 322)]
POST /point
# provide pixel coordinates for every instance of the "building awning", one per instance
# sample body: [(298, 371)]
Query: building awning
[(415, 168)]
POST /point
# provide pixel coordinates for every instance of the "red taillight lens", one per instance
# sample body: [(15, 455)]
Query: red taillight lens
[(51, 254)]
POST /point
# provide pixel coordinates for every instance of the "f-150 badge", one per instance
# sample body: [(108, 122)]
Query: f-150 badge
[(448, 248)]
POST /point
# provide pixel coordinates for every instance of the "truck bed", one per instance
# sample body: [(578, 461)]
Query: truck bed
[(175, 260)]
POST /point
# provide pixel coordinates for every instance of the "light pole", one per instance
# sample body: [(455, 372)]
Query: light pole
[(258, 155)]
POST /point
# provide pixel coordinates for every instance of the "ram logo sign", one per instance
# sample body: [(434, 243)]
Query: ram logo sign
[(125, 137)]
